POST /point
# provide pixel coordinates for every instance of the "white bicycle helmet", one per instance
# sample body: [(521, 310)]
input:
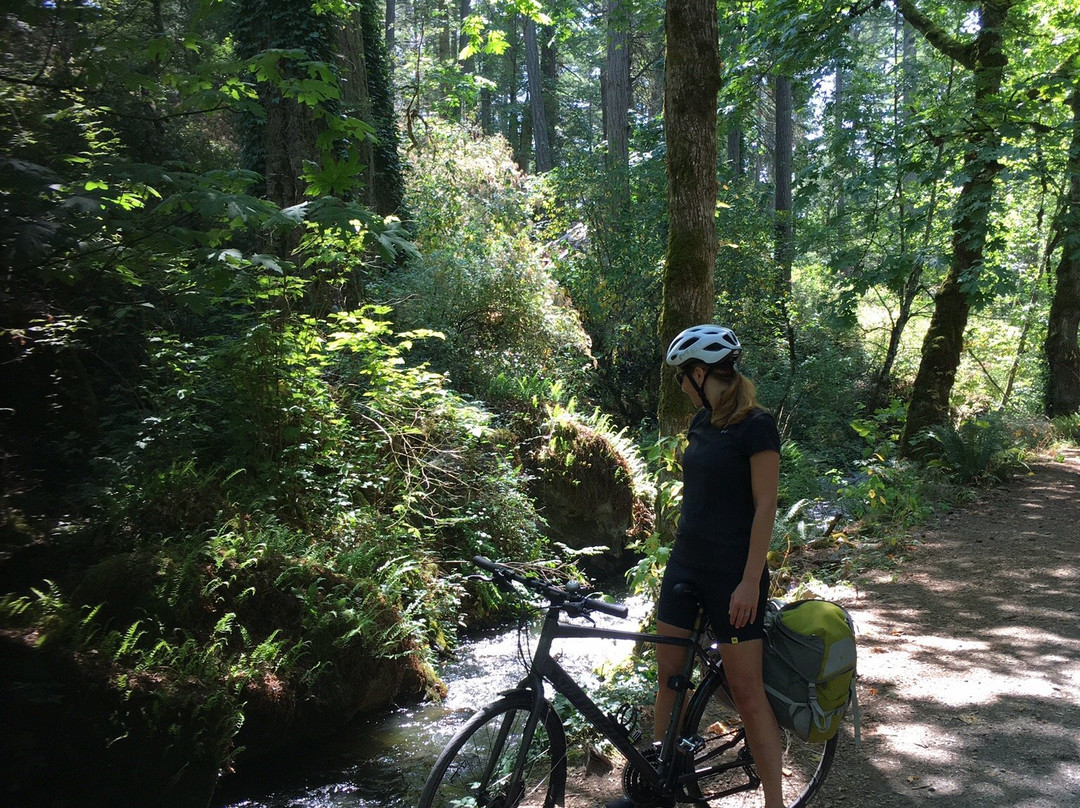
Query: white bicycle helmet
[(708, 344)]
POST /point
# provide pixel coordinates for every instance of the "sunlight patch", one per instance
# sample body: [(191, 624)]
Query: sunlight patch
[(912, 742)]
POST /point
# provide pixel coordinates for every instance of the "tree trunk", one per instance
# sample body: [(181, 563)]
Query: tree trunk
[(735, 150), (446, 36), (839, 218), (944, 341), (487, 116), (615, 91), (549, 77), (541, 141), (513, 116), (391, 27), (388, 185), (282, 142), (693, 81), (785, 160), (468, 65), (735, 159), (355, 99), (1061, 348)]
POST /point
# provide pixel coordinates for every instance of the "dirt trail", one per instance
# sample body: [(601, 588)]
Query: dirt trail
[(970, 658), (969, 661)]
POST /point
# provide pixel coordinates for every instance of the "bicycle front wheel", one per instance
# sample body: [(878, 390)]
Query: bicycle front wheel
[(724, 765), (477, 768)]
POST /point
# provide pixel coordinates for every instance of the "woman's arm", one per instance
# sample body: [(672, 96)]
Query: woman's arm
[(764, 483)]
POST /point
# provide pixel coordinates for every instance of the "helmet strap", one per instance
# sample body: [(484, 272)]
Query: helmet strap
[(700, 388)]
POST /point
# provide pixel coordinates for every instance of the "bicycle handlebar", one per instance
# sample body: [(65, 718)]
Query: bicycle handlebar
[(573, 602)]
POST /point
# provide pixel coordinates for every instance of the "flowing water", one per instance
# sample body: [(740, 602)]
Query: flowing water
[(382, 761)]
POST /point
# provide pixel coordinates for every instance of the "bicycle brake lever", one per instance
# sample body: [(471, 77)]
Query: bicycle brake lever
[(578, 610)]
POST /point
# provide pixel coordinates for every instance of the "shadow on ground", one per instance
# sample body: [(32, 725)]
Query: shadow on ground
[(970, 659)]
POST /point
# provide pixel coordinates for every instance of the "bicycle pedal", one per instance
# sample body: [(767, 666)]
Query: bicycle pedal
[(692, 745)]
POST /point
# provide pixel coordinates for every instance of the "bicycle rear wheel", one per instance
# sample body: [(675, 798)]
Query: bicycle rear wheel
[(475, 769), (726, 761)]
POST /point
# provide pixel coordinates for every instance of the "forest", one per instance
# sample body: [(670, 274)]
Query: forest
[(305, 303)]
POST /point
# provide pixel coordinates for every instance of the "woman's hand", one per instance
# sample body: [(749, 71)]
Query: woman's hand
[(744, 603)]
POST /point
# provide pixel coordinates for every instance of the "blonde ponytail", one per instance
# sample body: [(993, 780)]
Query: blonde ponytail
[(735, 402)]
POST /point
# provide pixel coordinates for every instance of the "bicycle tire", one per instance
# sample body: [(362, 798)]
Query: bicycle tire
[(712, 716), (473, 770)]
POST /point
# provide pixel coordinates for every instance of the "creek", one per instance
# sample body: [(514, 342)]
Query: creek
[(382, 761)]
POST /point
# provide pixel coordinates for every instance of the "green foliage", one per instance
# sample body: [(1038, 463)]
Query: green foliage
[(884, 491), (1068, 427), (978, 448), (664, 458), (801, 477), (481, 279), (793, 534), (267, 481), (607, 243)]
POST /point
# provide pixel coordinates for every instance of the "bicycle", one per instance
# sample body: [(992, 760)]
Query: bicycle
[(512, 753)]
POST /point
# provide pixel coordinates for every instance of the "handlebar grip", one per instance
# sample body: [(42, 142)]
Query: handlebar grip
[(619, 610)]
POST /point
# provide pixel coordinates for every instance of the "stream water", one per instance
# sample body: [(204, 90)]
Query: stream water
[(382, 761)]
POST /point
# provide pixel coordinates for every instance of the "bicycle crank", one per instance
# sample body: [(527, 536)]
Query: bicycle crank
[(637, 789)]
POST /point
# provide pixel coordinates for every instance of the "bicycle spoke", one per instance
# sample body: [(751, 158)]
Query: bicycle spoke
[(477, 770)]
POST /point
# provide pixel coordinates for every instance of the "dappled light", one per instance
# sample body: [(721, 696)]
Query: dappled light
[(969, 661)]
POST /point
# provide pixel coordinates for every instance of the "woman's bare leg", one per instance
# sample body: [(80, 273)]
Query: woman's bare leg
[(669, 662), (742, 662)]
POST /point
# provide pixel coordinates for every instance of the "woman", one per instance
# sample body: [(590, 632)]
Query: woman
[(731, 471)]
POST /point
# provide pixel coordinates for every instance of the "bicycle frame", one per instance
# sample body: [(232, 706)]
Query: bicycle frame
[(663, 778)]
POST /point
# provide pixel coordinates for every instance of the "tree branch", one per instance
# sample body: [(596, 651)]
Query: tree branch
[(964, 53), (35, 82)]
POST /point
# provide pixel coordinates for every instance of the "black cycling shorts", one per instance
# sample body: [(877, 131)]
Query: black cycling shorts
[(714, 591)]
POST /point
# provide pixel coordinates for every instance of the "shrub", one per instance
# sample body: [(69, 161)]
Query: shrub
[(981, 447), (286, 512), (1068, 427), (481, 280)]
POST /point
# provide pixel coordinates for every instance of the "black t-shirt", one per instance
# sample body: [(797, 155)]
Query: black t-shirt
[(718, 501)]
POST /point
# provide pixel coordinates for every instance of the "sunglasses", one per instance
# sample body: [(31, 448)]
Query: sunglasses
[(680, 375)]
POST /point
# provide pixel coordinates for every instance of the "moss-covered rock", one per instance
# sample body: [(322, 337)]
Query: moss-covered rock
[(590, 492)]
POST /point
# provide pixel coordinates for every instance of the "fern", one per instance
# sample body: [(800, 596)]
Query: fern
[(973, 450), (129, 641)]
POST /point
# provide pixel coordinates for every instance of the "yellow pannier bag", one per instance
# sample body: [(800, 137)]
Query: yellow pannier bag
[(809, 667)]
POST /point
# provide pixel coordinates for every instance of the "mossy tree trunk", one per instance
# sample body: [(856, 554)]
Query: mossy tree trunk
[(286, 140), (384, 185), (944, 341), (692, 78)]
